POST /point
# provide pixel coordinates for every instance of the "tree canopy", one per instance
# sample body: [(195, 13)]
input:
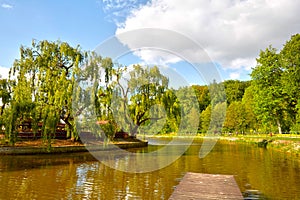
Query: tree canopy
[(55, 82), (276, 86), (45, 78)]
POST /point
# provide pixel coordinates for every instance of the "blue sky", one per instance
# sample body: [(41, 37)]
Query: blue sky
[(232, 32), (76, 22)]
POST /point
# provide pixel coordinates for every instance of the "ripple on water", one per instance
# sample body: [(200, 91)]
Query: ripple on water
[(80, 176)]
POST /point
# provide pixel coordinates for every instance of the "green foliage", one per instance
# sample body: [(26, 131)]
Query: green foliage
[(248, 104), (290, 56), (145, 88), (234, 117), (45, 78), (235, 90), (296, 126), (218, 115), (203, 96), (173, 110), (5, 99), (276, 86), (92, 97), (237, 118), (270, 103), (189, 110), (212, 118), (51, 86), (5, 93), (205, 118), (217, 93)]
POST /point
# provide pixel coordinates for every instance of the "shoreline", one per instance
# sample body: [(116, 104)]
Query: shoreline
[(288, 144), (34, 150)]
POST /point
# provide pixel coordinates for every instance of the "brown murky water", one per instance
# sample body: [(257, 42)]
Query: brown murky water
[(80, 176)]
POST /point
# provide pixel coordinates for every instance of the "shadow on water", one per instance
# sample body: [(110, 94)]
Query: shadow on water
[(25, 162)]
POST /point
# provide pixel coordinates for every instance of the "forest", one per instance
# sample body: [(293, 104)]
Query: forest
[(53, 82)]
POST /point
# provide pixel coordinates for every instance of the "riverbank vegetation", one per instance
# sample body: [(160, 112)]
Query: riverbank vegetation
[(52, 83), (285, 143)]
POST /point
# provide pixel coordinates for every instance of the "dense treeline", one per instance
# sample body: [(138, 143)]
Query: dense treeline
[(54, 82)]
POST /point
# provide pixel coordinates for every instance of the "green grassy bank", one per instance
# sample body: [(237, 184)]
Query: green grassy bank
[(286, 143)]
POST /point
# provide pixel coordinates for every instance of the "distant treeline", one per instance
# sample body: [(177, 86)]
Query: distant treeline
[(54, 82)]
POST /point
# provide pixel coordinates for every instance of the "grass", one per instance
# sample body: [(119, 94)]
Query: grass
[(286, 143)]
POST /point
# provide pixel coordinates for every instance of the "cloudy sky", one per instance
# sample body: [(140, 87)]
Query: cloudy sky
[(231, 32)]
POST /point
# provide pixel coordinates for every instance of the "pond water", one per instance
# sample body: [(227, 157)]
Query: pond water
[(81, 176)]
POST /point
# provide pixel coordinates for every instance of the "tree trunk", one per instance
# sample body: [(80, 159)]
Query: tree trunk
[(279, 126), (70, 128), (133, 132), (2, 109)]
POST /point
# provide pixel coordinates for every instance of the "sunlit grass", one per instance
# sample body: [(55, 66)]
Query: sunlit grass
[(286, 143)]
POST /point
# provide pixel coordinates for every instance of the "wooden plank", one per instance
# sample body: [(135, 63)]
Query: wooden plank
[(206, 186)]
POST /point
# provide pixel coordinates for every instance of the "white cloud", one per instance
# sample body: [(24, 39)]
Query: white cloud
[(6, 6), (234, 75), (4, 72), (246, 63), (156, 56), (231, 31), (160, 46)]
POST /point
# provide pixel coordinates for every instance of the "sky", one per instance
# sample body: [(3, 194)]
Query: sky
[(174, 34)]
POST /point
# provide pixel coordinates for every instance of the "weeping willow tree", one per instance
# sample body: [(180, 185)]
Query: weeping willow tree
[(138, 95), (93, 95), (45, 74), (103, 98)]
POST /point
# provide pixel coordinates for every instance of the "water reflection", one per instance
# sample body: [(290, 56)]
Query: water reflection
[(80, 176)]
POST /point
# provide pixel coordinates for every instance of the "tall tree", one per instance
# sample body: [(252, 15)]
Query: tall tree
[(234, 119), (248, 103), (205, 118), (270, 100), (172, 108), (144, 88), (290, 56), (45, 73), (238, 118), (217, 93), (93, 95), (218, 115)]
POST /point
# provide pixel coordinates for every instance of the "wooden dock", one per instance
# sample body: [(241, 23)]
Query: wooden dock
[(206, 186)]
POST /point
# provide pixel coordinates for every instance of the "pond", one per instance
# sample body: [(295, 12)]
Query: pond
[(81, 176)]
